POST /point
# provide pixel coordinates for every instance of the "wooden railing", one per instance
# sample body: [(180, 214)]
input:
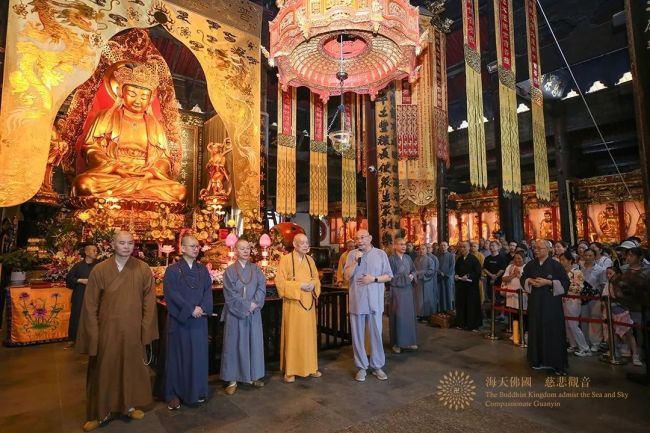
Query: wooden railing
[(333, 327)]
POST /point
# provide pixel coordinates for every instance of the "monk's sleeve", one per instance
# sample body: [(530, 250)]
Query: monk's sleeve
[(316, 280), (525, 276), (149, 329), (237, 305), (177, 307), (88, 334), (207, 304), (385, 265), (476, 271), (260, 292), (561, 281), (71, 278), (287, 287)]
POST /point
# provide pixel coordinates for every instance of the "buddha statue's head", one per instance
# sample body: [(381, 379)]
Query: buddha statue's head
[(137, 84)]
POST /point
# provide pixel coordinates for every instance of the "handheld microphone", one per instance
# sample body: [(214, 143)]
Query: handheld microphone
[(359, 256)]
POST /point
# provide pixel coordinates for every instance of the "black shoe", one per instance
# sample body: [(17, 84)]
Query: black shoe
[(560, 372)]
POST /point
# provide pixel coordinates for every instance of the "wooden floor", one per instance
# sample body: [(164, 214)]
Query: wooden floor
[(42, 391)]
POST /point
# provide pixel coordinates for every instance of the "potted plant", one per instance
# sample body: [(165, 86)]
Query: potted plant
[(19, 262)]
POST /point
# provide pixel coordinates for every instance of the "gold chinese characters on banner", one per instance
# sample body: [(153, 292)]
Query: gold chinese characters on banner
[(475, 127), (542, 186), (285, 197), (49, 55), (318, 157), (510, 162)]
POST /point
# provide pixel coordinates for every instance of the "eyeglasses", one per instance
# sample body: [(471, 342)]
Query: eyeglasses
[(191, 246)]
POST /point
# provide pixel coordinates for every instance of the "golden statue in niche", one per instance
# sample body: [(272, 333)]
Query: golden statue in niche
[(126, 149), (219, 184), (546, 226), (641, 227), (608, 224), (591, 235), (58, 150)]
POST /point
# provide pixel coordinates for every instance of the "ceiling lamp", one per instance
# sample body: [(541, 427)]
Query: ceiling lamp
[(341, 139), (381, 43)]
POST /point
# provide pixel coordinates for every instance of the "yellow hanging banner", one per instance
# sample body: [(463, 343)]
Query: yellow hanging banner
[(318, 157), (510, 159), (285, 191), (475, 127), (542, 186)]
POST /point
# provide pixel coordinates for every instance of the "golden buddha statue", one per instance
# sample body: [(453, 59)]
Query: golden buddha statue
[(591, 235), (546, 226), (126, 149), (608, 224), (641, 227)]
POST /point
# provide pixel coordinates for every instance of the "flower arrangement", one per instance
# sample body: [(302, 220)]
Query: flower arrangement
[(35, 310), (19, 260), (60, 265), (103, 239)]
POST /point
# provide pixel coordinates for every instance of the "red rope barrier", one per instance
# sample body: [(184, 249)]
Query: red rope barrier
[(578, 319)]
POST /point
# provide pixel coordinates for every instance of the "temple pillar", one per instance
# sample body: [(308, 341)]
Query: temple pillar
[(638, 36), (563, 173), (387, 173), (443, 195), (372, 205), (511, 217)]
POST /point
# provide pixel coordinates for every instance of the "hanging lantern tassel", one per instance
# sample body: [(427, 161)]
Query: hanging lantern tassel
[(318, 157), (348, 166)]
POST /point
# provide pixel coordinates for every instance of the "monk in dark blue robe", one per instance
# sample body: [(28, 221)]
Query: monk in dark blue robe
[(188, 292), (546, 281), (244, 290)]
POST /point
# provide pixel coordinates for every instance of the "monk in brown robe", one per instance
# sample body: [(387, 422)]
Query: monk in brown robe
[(117, 320)]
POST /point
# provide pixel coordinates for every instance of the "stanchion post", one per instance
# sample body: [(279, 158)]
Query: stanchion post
[(612, 358), (522, 340), (492, 335)]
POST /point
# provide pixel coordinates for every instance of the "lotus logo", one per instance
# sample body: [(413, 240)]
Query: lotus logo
[(456, 390)]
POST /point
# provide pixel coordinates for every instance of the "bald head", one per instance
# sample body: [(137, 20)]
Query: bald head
[(364, 240), (190, 248), (123, 244), (301, 244), (541, 249), (243, 250)]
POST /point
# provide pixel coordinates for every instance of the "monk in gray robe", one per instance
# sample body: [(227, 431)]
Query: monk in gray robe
[(118, 320), (446, 274), (426, 284), (402, 323), (244, 290)]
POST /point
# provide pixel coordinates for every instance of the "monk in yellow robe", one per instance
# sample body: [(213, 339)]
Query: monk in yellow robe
[(349, 246), (299, 287)]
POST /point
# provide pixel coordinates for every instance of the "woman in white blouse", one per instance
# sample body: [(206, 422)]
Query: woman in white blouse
[(511, 281)]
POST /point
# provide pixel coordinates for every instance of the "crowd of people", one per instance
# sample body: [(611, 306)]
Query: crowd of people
[(560, 285), (114, 309)]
